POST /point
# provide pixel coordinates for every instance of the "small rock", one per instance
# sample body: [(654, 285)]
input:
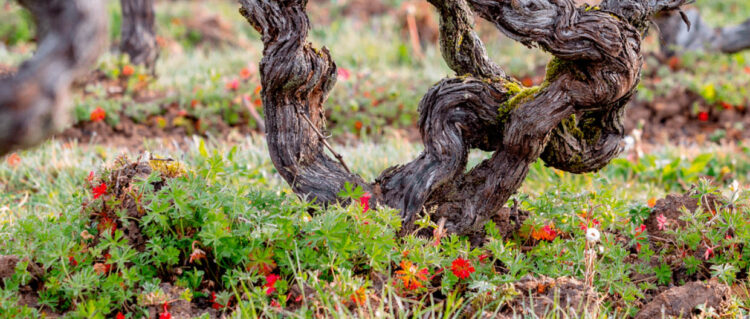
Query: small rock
[(682, 301)]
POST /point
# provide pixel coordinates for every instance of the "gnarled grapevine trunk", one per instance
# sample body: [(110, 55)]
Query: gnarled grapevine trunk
[(138, 32), (33, 102), (573, 121), (675, 35)]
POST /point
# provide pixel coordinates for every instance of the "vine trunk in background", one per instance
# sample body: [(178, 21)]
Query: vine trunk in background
[(34, 102)]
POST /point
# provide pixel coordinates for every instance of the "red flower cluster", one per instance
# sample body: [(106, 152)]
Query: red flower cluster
[(245, 73), (365, 202), (99, 190), (638, 236), (13, 160), (98, 114), (462, 268), (411, 276), (165, 314), (547, 233), (120, 315), (271, 283), (128, 70), (215, 304), (703, 116), (233, 85)]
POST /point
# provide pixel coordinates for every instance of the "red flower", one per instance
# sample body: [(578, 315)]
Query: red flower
[(639, 230), (72, 261), (215, 304), (245, 73), (703, 116), (709, 253), (233, 85), (99, 190), (726, 105), (344, 74), (13, 160), (483, 257), (165, 314), (365, 202), (90, 177), (270, 283), (411, 276), (275, 304), (747, 69), (120, 315), (547, 233), (462, 268), (98, 114), (128, 70)]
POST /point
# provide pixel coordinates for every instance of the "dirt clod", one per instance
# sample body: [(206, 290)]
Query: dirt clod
[(7, 266), (682, 301), (564, 296), (671, 207)]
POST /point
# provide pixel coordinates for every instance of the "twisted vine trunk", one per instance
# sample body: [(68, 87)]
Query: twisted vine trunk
[(138, 32), (34, 102), (574, 121), (675, 35)]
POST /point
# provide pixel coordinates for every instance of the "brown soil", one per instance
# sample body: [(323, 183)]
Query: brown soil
[(178, 307), (672, 208), (670, 118), (127, 133), (682, 301), (7, 266), (571, 296)]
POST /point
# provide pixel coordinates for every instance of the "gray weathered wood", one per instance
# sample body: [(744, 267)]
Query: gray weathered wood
[(676, 37), (34, 101), (139, 33)]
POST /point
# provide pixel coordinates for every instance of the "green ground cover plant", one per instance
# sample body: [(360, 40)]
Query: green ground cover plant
[(216, 227)]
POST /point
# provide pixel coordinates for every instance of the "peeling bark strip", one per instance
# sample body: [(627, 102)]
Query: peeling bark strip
[(33, 102), (573, 121), (676, 35), (138, 32)]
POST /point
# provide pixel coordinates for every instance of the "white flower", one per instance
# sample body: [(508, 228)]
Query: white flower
[(629, 143), (592, 235), (735, 186)]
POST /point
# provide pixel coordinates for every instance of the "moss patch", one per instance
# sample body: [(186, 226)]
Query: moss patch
[(520, 96)]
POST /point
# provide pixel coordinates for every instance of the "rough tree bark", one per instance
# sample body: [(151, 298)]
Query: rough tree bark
[(33, 102), (138, 32), (573, 121), (675, 35)]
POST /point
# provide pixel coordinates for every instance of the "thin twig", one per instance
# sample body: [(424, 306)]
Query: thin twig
[(254, 113), (323, 139)]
